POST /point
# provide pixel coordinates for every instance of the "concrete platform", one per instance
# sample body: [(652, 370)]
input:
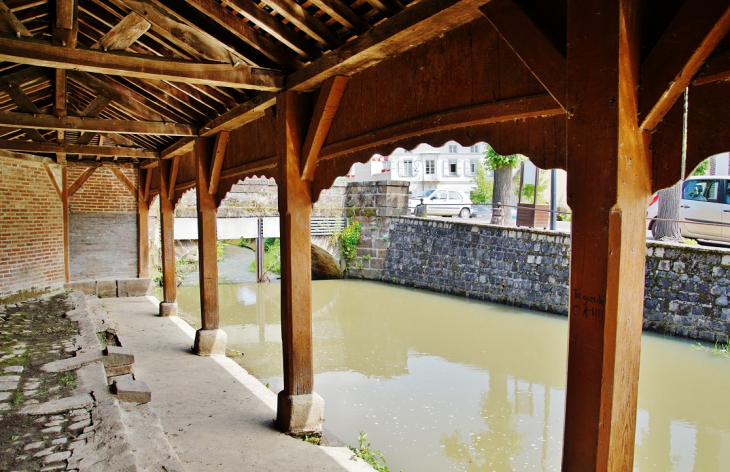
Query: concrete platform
[(216, 416)]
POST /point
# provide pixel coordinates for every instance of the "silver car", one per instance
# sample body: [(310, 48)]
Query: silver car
[(448, 203)]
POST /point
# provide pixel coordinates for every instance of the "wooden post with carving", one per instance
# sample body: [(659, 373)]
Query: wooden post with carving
[(143, 227), (168, 307), (209, 339), (608, 190)]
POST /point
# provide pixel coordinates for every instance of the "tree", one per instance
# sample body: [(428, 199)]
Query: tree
[(503, 167), (484, 186)]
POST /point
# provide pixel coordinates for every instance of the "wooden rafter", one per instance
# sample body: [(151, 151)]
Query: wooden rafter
[(111, 151), (173, 176), (324, 113), (179, 148), (219, 153), (80, 181), (23, 120), (343, 15), (718, 68), (26, 105), (693, 35), (547, 64), (239, 116), (123, 34), (389, 7), (305, 21), (137, 65), (9, 23), (124, 180)]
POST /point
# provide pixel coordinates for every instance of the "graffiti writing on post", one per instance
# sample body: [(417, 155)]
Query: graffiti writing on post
[(587, 305)]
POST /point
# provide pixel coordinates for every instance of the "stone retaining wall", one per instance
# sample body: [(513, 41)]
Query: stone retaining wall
[(687, 287)]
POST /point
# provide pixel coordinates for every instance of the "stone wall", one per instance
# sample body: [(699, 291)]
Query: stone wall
[(373, 204), (102, 225), (258, 197), (687, 287), (31, 227)]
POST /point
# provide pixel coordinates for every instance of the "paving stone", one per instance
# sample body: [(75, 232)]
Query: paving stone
[(19, 352), (45, 452), (60, 405), (56, 418), (79, 411), (76, 444), (57, 457), (35, 445), (4, 406), (31, 385), (118, 356), (5, 395), (13, 369), (10, 378), (113, 371), (135, 391), (53, 429), (51, 424), (6, 385), (29, 393), (53, 467), (54, 351), (78, 426)]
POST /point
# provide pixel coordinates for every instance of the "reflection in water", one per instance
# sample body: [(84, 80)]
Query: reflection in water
[(443, 383)]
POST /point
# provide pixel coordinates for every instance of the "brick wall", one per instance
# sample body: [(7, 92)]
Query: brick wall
[(102, 225), (31, 228)]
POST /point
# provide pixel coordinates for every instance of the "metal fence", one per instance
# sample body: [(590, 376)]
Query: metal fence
[(326, 225)]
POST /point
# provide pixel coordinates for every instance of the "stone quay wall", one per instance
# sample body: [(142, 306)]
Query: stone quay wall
[(687, 288)]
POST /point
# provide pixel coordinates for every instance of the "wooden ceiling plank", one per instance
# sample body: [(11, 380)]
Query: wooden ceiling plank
[(123, 34), (305, 21), (247, 34), (23, 120), (23, 77), (250, 167), (325, 110), (343, 15), (9, 23), (239, 116), (536, 51), (120, 140), (219, 153), (52, 148), (80, 180), (199, 95), (423, 21), (171, 98), (275, 28), (387, 7), (690, 39), (140, 66), (180, 147)]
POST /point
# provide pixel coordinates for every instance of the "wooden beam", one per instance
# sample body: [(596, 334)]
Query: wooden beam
[(179, 148), (343, 15), (123, 34), (64, 14), (173, 176), (64, 208), (60, 92), (26, 105), (244, 113), (306, 22), (258, 16), (324, 113), (123, 179), (9, 23), (219, 153), (532, 47), (142, 66), (51, 148), (80, 181), (150, 163), (423, 21), (389, 7), (250, 167), (93, 110), (143, 227), (507, 110), (247, 34), (23, 120), (718, 68), (167, 236), (66, 27), (53, 180), (693, 35)]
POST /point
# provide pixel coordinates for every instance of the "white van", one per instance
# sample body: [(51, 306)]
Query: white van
[(705, 199)]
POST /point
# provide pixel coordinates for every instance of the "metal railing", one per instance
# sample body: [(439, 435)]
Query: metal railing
[(326, 225)]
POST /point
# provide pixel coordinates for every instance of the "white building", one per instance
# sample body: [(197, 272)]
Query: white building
[(450, 167)]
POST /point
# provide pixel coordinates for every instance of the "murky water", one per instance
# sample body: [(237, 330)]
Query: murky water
[(442, 383)]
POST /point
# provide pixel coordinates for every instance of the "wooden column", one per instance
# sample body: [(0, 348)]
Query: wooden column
[(143, 227), (167, 231), (64, 204), (608, 191), (208, 339)]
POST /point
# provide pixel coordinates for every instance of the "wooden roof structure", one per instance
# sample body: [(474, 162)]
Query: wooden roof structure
[(203, 93)]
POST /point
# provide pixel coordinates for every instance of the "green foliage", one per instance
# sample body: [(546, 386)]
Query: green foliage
[(719, 350), (68, 379), (484, 189), (366, 257), (312, 439), (528, 190), (702, 168), (371, 456), (17, 397), (493, 161), (348, 240), (219, 249), (272, 256)]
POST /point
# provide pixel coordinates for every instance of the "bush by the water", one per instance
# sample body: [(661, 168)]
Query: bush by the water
[(272, 256)]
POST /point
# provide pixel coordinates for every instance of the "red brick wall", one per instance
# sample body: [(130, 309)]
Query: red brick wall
[(31, 228), (102, 225), (102, 192)]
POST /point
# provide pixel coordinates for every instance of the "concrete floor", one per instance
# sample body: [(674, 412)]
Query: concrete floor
[(216, 416)]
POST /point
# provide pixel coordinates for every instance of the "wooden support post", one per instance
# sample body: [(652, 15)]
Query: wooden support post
[(608, 191), (208, 340), (143, 228), (64, 204), (168, 307), (299, 408)]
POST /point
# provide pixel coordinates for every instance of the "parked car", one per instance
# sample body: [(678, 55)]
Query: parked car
[(415, 200), (448, 203), (705, 199), (481, 211)]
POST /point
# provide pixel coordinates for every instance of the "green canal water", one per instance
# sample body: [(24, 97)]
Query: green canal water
[(442, 383)]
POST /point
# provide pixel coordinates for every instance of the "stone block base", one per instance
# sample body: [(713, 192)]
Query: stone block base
[(300, 414), (106, 288), (168, 309), (134, 287), (134, 391), (86, 286), (210, 342)]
